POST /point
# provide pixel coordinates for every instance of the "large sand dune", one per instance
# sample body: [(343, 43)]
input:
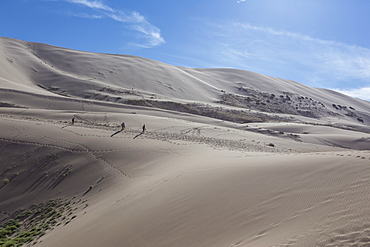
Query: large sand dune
[(228, 158)]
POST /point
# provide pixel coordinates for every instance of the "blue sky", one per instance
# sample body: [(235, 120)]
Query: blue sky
[(320, 43)]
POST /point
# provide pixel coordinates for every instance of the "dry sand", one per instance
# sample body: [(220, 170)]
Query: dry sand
[(189, 180)]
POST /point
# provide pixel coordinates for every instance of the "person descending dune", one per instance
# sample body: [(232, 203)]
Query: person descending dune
[(123, 126)]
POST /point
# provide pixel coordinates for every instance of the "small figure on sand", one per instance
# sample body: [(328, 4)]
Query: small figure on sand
[(142, 132), (122, 128), (73, 121)]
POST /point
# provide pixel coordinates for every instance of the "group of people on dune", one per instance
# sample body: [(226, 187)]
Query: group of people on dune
[(123, 126)]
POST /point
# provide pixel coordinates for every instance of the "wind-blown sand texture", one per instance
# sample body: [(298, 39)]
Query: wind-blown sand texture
[(229, 157)]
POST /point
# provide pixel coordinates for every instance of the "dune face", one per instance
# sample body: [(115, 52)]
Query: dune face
[(227, 157)]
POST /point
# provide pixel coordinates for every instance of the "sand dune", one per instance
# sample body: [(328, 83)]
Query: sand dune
[(228, 158)]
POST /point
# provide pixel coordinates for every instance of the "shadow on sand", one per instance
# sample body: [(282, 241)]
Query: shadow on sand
[(67, 126), (139, 135), (116, 133)]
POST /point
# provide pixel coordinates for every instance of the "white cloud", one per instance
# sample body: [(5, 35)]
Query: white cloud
[(92, 4), (150, 34), (312, 61), (240, 1), (137, 22), (83, 15), (361, 93), (123, 17)]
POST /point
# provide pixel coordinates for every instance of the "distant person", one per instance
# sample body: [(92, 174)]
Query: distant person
[(142, 132), (123, 126), (73, 121)]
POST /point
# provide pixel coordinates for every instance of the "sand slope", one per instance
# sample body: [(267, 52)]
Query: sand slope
[(190, 179), (49, 70)]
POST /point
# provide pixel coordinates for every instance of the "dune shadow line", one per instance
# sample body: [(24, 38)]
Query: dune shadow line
[(116, 133), (139, 135)]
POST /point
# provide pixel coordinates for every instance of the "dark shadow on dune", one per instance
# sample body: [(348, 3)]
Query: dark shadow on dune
[(87, 191), (39, 181), (116, 133), (138, 135)]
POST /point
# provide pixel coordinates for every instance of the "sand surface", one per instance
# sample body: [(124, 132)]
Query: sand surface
[(188, 180)]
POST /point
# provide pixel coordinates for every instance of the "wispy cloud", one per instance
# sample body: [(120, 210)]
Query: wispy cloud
[(151, 32), (295, 56), (150, 35), (361, 93), (92, 4), (84, 15), (240, 1)]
